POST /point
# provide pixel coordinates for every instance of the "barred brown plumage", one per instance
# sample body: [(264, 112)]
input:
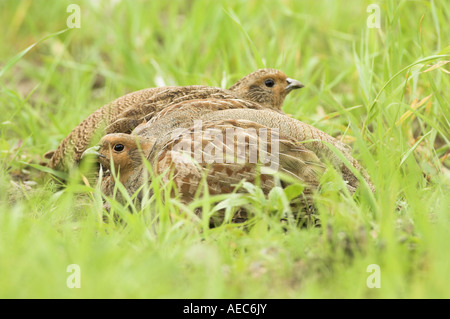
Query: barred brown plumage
[(174, 160), (184, 114), (303, 149), (268, 87)]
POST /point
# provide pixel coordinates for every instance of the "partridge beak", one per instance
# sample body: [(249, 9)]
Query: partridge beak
[(92, 151), (293, 84)]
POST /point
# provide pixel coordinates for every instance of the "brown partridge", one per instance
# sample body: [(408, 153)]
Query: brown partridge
[(160, 129), (303, 151), (268, 87)]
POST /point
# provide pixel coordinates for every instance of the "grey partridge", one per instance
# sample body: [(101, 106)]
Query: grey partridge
[(268, 87), (303, 150), (160, 128), (230, 151)]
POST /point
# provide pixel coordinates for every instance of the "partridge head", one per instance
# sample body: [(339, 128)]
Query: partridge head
[(268, 87), (184, 115)]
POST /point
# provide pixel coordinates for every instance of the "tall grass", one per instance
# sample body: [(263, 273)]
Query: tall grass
[(384, 91)]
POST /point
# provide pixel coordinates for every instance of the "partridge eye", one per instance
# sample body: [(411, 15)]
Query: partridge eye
[(269, 83), (119, 147)]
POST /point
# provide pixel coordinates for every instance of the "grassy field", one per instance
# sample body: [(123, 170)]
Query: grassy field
[(383, 90)]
